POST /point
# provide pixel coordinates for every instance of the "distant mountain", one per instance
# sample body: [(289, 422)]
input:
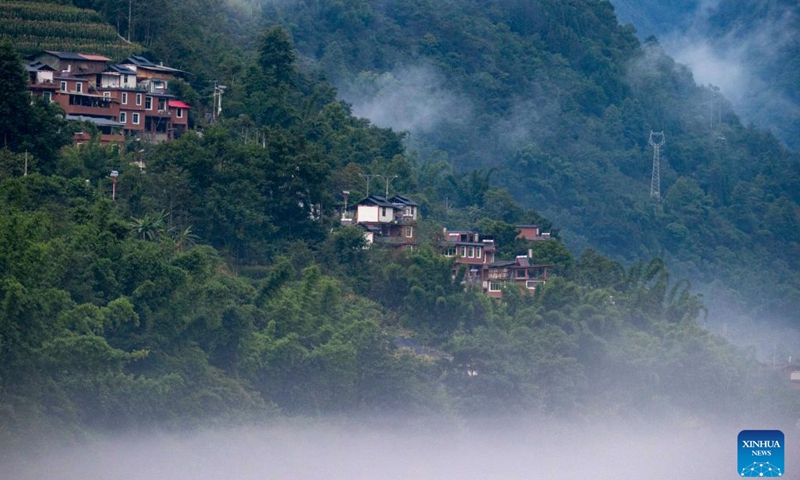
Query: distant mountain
[(560, 99)]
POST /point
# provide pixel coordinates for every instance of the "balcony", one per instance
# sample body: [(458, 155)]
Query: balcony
[(405, 220), (396, 240), (90, 105)]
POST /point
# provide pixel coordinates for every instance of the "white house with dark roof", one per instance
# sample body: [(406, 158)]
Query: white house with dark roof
[(389, 221)]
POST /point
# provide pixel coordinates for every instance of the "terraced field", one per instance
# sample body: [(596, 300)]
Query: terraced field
[(45, 25)]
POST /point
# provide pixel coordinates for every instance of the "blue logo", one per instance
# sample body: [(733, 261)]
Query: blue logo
[(761, 453)]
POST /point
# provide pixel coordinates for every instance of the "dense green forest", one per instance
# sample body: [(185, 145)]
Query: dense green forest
[(560, 101), (553, 102), (218, 286)]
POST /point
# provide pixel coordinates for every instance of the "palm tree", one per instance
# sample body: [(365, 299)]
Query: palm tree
[(185, 238), (149, 227)]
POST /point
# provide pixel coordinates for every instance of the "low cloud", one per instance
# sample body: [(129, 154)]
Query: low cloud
[(737, 62), (415, 99)]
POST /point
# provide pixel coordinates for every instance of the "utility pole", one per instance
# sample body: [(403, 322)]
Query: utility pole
[(218, 91), (657, 140), (26, 164), (130, 12), (388, 179), (114, 175), (368, 177)]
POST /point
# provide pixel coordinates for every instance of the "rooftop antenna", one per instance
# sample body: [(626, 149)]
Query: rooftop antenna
[(368, 177), (656, 141)]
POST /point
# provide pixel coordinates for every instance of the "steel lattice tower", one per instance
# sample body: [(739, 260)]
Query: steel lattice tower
[(657, 140)]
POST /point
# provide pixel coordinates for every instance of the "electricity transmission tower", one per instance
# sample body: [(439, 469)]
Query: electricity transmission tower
[(657, 140)]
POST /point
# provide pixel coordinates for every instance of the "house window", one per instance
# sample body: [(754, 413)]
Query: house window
[(139, 99), (383, 211), (462, 251), (63, 86), (148, 103), (531, 284), (520, 273), (450, 252), (494, 286), (180, 113), (135, 118), (409, 232), (48, 96), (79, 87), (124, 98), (162, 104), (471, 252), (107, 94), (478, 252), (123, 117)]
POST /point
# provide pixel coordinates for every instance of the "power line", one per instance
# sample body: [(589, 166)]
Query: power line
[(388, 179)]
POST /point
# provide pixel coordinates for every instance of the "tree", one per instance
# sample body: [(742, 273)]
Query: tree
[(150, 227), (27, 126), (15, 108), (276, 57)]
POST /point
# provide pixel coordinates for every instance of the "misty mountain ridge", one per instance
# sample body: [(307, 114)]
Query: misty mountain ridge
[(748, 49), (560, 99)]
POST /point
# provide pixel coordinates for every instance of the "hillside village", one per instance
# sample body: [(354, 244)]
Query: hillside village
[(126, 99), (392, 222), (131, 99)]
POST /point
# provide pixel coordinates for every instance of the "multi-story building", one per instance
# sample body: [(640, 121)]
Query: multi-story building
[(41, 80), (475, 253), (74, 63), (390, 222), (130, 98), (532, 233), (520, 272)]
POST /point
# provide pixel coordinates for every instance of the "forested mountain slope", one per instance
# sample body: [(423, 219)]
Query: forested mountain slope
[(219, 285), (50, 25), (560, 100)]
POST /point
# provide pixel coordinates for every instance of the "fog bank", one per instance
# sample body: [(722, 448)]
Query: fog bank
[(406, 451)]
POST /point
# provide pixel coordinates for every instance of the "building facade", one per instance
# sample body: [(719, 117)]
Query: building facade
[(475, 254), (126, 99), (391, 222)]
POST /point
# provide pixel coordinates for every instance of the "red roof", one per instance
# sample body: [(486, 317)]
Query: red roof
[(177, 104)]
